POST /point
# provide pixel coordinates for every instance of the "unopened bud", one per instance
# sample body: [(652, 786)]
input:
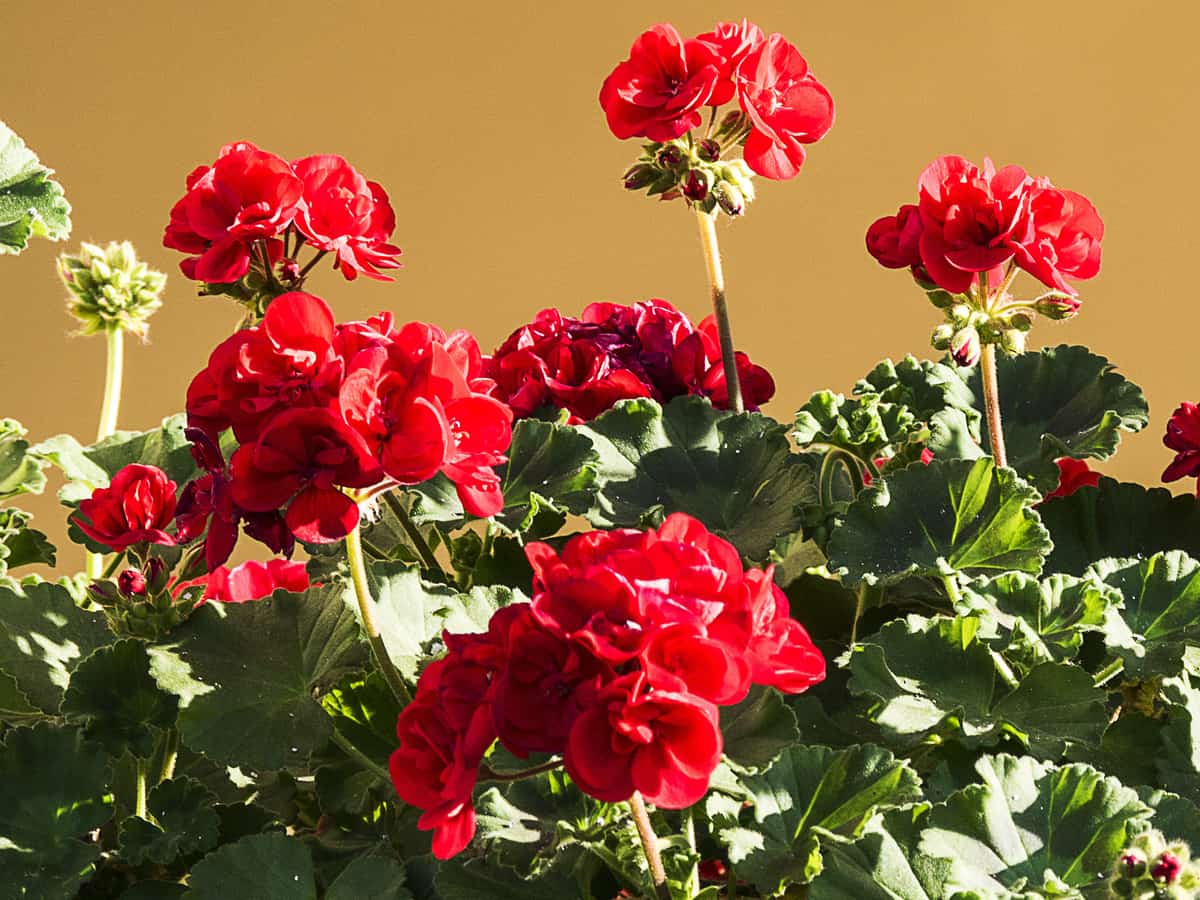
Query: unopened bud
[(132, 583), (158, 574), (640, 176), (942, 335), (111, 289), (729, 198), (960, 312), (1021, 322), (289, 270), (670, 156), (696, 185), (940, 298), (1167, 868), (964, 347), (1012, 341), (105, 593), (709, 150), (1057, 305)]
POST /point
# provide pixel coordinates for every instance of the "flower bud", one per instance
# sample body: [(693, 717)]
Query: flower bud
[(696, 185), (103, 593), (940, 298), (670, 156), (737, 173), (111, 289), (158, 575), (1167, 868), (959, 312), (729, 198), (289, 270), (709, 150), (964, 347), (1012, 341), (1057, 305), (942, 335), (1021, 322), (640, 176), (132, 582)]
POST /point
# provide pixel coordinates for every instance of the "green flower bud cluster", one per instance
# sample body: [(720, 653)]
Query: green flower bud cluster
[(968, 325), (141, 603), (694, 170), (111, 289), (1153, 868)]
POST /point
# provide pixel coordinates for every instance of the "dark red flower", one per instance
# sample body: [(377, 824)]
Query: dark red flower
[(1183, 436), (347, 215), (301, 460), (135, 508), (1166, 868), (247, 195), (1066, 237), (895, 241), (731, 42), (973, 220), (662, 744), (254, 580), (1072, 475), (658, 92), (787, 107)]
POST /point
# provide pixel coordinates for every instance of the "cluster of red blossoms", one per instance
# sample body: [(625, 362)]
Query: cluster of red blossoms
[(970, 220), (631, 643), (660, 91), (246, 205), (1183, 436), (614, 352)]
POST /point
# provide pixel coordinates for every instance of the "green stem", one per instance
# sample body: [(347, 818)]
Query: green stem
[(641, 818), (952, 589), (362, 594), (113, 564), (489, 774), (991, 402), (860, 606), (1112, 669), (312, 262), (114, 369), (716, 280), (692, 887), (170, 754), (1006, 672), (139, 808), (414, 533), (359, 757)]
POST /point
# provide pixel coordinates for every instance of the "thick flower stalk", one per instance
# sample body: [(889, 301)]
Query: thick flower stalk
[(661, 92)]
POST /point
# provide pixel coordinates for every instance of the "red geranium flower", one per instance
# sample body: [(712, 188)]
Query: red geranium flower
[(135, 508), (658, 92), (1072, 475), (787, 107), (254, 580), (247, 195), (731, 42), (895, 241), (1066, 239), (1183, 436), (345, 214)]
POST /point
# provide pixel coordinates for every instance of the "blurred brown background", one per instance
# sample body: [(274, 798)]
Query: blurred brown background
[(481, 121)]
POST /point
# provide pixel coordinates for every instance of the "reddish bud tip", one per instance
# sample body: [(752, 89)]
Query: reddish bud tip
[(1167, 868), (695, 187), (132, 582)]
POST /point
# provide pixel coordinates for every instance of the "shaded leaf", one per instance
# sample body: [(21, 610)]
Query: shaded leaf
[(1179, 764), (1176, 817), (184, 822), (262, 866), (474, 879), (550, 473), (370, 878), (758, 729), (31, 202)]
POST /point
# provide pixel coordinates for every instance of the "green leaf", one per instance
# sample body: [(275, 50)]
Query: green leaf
[(475, 879), (262, 866), (810, 788), (15, 708), (1119, 520), (933, 674), (1061, 401), (20, 471), (370, 878), (184, 822), (21, 545), (550, 473), (1031, 826), (1176, 817), (1179, 764), (115, 698), (1040, 621), (262, 661), (735, 473), (1162, 610), (88, 468), (864, 426), (966, 516), (411, 613), (43, 636), (55, 789), (31, 202), (364, 712), (758, 729), (1129, 750)]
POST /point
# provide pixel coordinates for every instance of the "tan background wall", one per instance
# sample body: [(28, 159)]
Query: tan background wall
[(481, 121)]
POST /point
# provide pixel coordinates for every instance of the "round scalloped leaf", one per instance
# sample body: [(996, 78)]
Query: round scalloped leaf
[(1118, 519), (758, 729), (20, 471), (55, 789), (927, 674), (262, 866), (118, 702), (962, 515), (1161, 611), (925, 387), (1179, 764), (370, 878), (735, 473), (864, 426), (31, 202), (261, 662), (776, 843), (1032, 827), (1176, 817), (21, 545), (550, 473), (185, 821)]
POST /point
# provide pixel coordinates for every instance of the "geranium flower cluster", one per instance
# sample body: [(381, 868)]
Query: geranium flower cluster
[(631, 643), (1183, 436), (321, 409), (251, 207), (970, 220), (614, 352)]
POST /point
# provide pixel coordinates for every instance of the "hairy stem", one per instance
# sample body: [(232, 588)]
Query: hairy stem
[(113, 371), (359, 757), (170, 753), (489, 774), (951, 584), (414, 533), (649, 846), (139, 802), (362, 594), (692, 888), (991, 402), (716, 279), (1113, 668)]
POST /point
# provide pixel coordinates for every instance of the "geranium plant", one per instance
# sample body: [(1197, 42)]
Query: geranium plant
[(573, 618)]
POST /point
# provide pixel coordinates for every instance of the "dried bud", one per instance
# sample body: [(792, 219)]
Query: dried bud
[(640, 176), (110, 288), (964, 347), (709, 150), (696, 185), (1057, 306), (132, 582)]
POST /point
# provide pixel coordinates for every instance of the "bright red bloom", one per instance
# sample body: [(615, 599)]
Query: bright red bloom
[(895, 241), (787, 107), (247, 195), (614, 352), (135, 508), (658, 92), (1072, 475), (664, 745), (301, 459), (254, 580), (1066, 239), (973, 220), (1183, 436), (345, 214), (731, 42)]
